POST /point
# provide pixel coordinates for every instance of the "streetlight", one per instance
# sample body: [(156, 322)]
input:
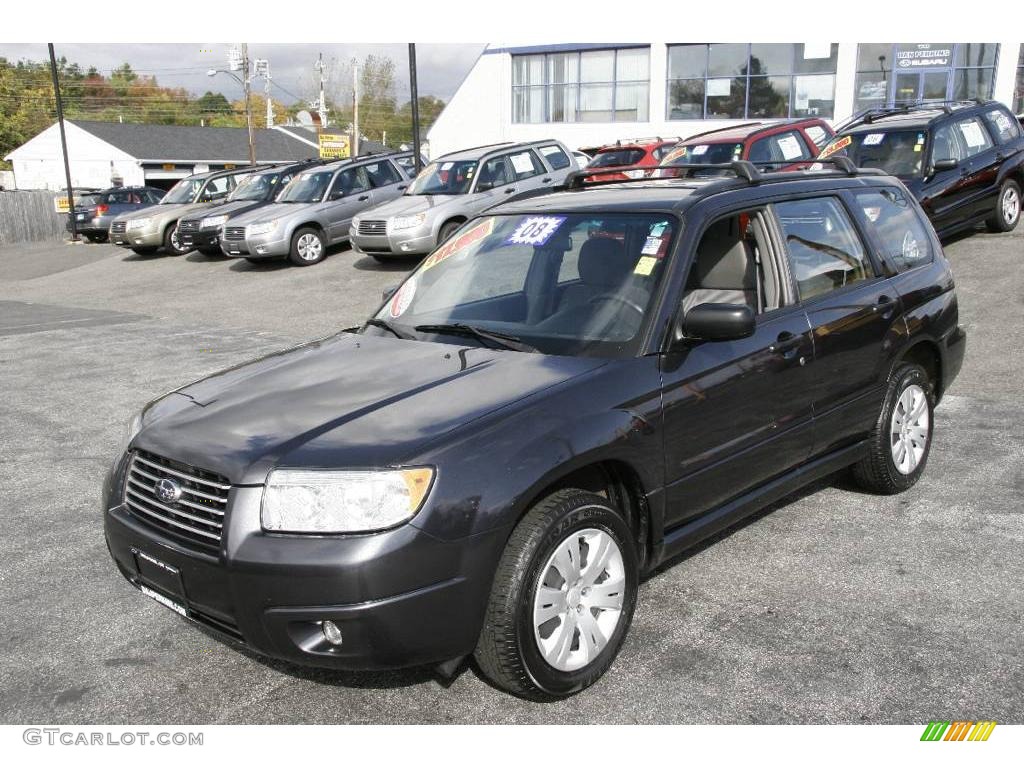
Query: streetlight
[(244, 81)]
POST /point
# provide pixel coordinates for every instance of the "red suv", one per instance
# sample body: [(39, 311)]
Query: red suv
[(630, 154), (787, 141)]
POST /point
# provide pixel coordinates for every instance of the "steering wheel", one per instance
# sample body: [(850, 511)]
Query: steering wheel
[(615, 297)]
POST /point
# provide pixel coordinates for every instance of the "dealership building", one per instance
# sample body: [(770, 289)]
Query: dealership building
[(588, 95)]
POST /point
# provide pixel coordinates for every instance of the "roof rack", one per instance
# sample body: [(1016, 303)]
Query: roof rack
[(871, 114), (723, 128), (645, 140), (743, 169), (481, 146)]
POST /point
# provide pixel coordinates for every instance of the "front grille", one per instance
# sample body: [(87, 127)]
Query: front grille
[(118, 227), (234, 233), (373, 227), (188, 225), (196, 516)]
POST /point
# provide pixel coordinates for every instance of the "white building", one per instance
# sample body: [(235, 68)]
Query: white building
[(588, 95), (103, 153)]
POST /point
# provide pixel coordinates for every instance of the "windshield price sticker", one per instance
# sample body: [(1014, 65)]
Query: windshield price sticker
[(536, 230), (872, 139), (835, 146), (460, 243), (651, 247), (972, 133), (700, 149), (400, 301), (645, 265)]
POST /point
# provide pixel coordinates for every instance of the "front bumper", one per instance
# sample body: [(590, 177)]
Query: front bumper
[(270, 246), (404, 242), (401, 597), (200, 238), (138, 238)]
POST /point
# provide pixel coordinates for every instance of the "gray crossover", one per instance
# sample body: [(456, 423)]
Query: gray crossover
[(316, 208), (455, 188)]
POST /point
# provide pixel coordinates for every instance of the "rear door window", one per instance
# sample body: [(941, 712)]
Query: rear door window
[(895, 226), (1002, 124), (382, 173), (779, 149), (556, 158), (526, 165), (825, 251)]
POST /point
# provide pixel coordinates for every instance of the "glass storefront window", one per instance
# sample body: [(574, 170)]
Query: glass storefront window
[(605, 85), (909, 73), (759, 80)]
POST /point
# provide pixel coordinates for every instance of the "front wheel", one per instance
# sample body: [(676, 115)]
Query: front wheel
[(562, 599), (172, 243), (308, 247), (449, 229), (1007, 212), (901, 440)]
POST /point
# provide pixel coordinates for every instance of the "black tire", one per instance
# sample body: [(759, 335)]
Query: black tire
[(447, 230), (301, 245), (171, 243), (145, 250), (878, 472), (96, 238), (999, 221), (507, 651)]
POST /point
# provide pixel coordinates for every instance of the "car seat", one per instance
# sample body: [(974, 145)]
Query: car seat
[(724, 271), (603, 266)]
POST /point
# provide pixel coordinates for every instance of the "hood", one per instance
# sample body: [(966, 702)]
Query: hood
[(409, 205), (233, 207), (268, 213), (345, 401)]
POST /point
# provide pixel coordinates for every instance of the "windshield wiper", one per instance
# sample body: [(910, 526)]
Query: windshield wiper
[(504, 340), (377, 323)]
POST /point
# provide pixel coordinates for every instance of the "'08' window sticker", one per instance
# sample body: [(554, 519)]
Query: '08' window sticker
[(535, 230)]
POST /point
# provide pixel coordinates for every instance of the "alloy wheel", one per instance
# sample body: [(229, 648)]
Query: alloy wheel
[(1010, 205), (578, 600), (309, 247), (909, 429)]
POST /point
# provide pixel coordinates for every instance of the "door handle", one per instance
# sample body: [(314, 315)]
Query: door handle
[(402, 186), (885, 305), (363, 197), (546, 180), (787, 344), (509, 191)]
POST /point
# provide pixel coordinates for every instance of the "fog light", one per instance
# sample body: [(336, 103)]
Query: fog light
[(331, 632)]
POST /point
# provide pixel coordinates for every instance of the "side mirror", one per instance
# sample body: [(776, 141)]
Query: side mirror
[(388, 292), (336, 195), (717, 322), (947, 164)]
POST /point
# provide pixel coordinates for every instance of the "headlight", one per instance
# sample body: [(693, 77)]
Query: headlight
[(326, 501), (132, 429), (260, 229), (213, 221), (406, 222), (137, 223)]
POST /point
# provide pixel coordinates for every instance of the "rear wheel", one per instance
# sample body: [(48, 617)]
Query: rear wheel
[(562, 599), (308, 247), (902, 437), (1007, 212)]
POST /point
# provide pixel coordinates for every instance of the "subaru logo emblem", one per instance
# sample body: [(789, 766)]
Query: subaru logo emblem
[(167, 490)]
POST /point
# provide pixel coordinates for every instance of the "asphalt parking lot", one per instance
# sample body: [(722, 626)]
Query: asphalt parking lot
[(835, 607)]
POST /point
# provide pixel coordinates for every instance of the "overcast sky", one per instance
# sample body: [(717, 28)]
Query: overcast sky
[(440, 67)]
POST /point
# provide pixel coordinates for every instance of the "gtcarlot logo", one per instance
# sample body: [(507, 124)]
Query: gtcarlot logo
[(73, 737), (958, 730)]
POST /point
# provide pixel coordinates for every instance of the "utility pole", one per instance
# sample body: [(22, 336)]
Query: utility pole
[(321, 104), (247, 83), (262, 67), (63, 143), (414, 94), (355, 108)]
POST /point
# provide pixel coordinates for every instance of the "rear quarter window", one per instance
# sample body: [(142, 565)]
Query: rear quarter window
[(556, 158), (896, 227), (1004, 126)]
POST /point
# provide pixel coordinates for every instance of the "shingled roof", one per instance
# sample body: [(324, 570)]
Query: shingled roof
[(195, 144)]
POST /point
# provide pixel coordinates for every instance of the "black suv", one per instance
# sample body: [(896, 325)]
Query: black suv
[(201, 230), (964, 162), (569, 391)]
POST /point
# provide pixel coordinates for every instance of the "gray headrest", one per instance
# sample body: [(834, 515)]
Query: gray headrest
[(603, 262), (723, 263)]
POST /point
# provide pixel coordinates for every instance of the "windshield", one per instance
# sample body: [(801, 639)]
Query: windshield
[(306, 187), (897, 152), (256, 187), (566, 284), (184, 191), (610, 158), (704, 153), (452, 177)]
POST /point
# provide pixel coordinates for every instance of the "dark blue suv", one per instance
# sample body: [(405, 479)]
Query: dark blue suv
[(94, 211)]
